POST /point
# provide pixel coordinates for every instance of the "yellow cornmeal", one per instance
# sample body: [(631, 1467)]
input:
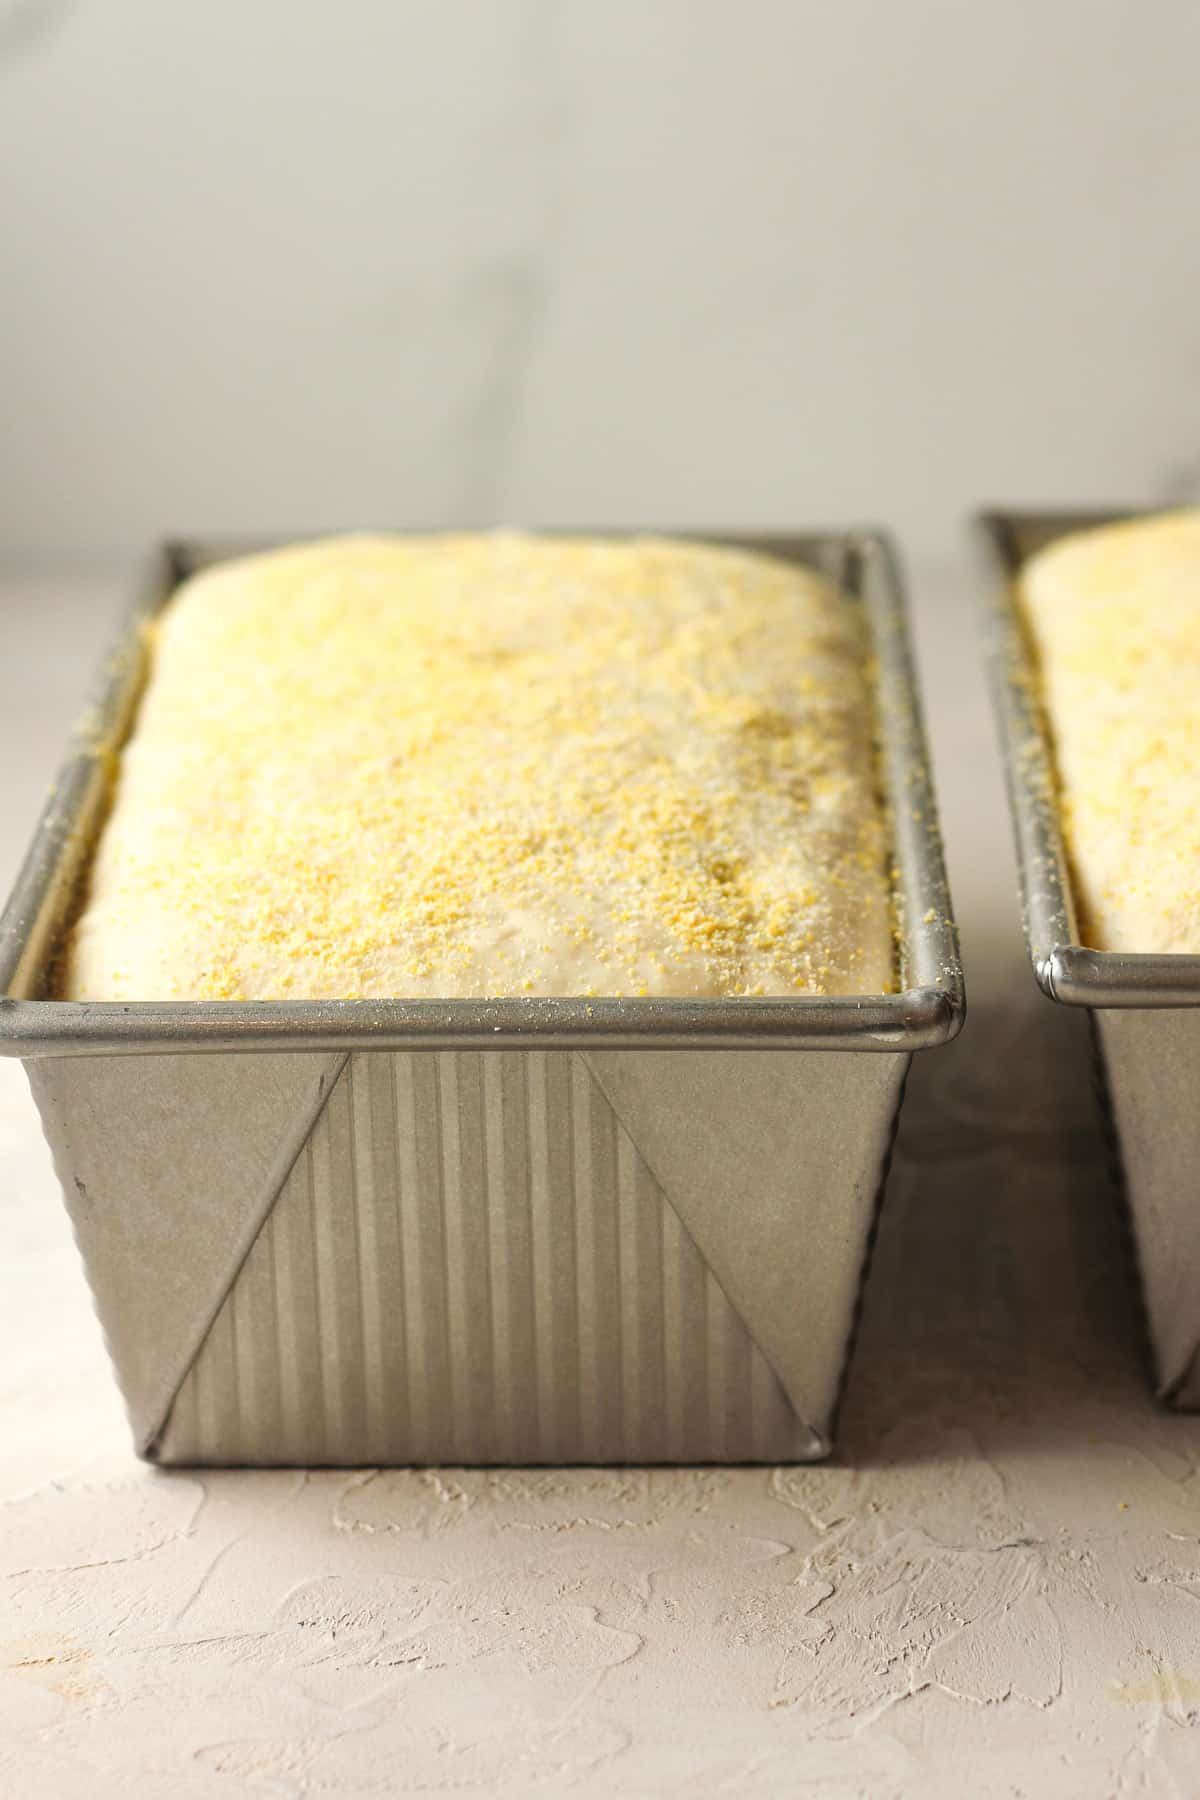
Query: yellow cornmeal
[(1115, 616), (495, 764)]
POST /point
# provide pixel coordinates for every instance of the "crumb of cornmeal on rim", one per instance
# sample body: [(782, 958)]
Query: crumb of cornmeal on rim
[(495, 764)]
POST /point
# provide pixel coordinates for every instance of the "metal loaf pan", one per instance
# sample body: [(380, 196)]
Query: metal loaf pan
[(502, 1231), (1145, 1009)]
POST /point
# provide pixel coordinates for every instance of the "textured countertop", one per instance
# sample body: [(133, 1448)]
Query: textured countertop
[(993, 1589)]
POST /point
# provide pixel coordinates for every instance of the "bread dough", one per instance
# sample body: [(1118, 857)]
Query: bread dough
[(495, 764), (1115, 618)]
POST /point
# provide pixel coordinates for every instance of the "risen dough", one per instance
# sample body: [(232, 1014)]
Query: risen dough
[(495, 764), (1115, 615)]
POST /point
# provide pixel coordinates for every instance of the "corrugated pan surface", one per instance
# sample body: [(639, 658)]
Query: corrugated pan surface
[(513, 1287)]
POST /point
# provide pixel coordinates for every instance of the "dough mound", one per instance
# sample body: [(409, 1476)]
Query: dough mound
[(1115, 618), (495, 764)]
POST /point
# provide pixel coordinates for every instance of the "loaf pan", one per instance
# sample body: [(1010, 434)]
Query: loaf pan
[(479, 1231), (1145, 1009)]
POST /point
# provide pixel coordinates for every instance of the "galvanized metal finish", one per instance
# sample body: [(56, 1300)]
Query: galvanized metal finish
[(1153, 1063), (519, 1288), (927, 1011), (413, 1256), (337, 1233), (1148, 1030)]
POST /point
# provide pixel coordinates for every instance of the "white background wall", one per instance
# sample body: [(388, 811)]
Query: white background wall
[(285, 263)]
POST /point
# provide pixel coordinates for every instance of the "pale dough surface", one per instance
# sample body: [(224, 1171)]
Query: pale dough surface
[(495, 764), (1115, 616)]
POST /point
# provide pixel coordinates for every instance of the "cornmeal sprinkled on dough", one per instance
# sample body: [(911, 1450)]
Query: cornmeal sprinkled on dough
[(1115, 616), (495, 765)]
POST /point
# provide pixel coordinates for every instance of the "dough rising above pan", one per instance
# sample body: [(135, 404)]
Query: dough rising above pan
[(495, 764)]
